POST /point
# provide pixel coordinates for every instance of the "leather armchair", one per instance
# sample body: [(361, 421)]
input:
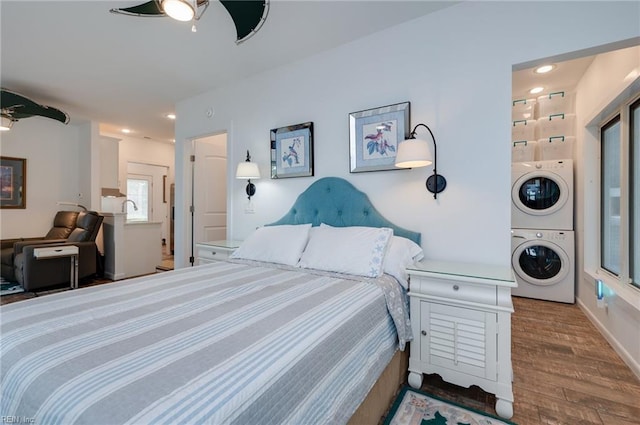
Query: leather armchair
[(70, 228)]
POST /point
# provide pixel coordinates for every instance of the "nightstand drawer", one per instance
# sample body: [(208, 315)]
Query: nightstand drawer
[(451, 289), (212, 254)]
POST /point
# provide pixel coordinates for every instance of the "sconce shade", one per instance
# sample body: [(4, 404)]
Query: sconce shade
[(180, 10), (413, 153), (247, 170)]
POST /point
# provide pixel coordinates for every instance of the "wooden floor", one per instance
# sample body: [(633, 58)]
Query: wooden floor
[(564, 370)]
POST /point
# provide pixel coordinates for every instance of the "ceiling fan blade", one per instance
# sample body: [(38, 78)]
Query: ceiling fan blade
[(149, 9), (53, 113), (16, 106), (248, 16)]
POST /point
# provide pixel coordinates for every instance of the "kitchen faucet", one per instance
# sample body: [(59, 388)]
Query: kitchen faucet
[(135, 207)]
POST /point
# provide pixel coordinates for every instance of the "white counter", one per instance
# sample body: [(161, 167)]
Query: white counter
[(131, 248)]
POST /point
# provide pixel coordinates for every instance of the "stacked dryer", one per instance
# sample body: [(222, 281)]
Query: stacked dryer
[(542, 237)]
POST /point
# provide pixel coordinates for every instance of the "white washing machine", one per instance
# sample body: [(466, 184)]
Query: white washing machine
[(542, 195), (543, 262)]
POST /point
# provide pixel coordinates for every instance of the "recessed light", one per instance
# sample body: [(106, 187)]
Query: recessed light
[(171, 116), (544, 69), (126, 130), (536, 90)]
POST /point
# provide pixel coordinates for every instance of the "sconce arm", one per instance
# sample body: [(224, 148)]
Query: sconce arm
[(435, 183)]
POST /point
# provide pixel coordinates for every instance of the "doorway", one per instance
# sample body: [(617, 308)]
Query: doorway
[(209, 189), (146, 187)]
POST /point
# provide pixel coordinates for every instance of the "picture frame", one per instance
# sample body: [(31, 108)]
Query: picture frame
[(374, 136), (13, 183), (292, 151)]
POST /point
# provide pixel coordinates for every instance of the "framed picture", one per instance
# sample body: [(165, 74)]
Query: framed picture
[(292, 151), (13, 182), (374, 136)]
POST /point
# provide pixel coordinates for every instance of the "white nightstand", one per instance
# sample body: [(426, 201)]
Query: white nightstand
[(208, 252), (461, 321)]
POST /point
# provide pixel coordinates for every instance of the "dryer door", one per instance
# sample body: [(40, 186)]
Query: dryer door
[(540, 262), (540, 192)]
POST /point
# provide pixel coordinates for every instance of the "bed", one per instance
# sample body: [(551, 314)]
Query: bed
[(269, 336)]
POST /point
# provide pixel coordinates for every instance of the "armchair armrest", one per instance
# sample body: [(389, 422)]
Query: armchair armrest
[(8, 243)]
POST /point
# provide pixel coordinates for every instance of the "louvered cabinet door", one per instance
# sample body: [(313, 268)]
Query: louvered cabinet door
[(457, 338)]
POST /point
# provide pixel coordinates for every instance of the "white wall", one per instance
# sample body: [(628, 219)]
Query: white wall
[(454, 66), (608, 77), (54, 173)]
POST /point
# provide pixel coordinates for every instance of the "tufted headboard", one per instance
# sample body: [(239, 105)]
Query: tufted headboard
[(336, 202)]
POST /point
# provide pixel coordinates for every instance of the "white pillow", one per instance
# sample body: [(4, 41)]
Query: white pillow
[(275, 244), (354, 250), (401, 253)]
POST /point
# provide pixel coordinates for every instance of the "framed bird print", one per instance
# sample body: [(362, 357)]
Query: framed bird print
[(13, 180), (374, 135), (292, 151)]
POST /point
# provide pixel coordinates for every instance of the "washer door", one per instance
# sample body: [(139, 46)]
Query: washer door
[(540, 193), (540, 262)]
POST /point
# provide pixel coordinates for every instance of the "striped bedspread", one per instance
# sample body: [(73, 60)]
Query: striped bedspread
[(223, 343)]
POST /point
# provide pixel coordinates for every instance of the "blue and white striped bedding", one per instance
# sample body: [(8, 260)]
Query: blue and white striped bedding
[(228, 342)]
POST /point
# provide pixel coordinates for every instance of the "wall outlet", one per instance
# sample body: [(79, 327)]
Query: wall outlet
[(249, 209)]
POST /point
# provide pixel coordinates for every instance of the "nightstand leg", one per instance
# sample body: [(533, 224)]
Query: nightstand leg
[(415, 380), (504, 408)]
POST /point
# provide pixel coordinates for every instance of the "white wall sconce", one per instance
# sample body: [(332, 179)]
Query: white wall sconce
[(248, 170), (415, 153)]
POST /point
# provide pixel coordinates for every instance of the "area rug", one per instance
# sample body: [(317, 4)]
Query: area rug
[(7, 287), (417, 408)]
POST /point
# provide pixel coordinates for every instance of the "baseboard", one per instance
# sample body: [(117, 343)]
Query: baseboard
[(622, 352), (114, 276)]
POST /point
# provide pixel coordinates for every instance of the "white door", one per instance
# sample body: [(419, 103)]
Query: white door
[(210, 188)]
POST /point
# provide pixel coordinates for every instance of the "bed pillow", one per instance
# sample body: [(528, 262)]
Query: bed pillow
[(353, 250), (275, 244), (401, 253)]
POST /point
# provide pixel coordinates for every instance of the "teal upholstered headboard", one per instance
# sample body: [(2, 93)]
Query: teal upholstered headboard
[(336, 202)]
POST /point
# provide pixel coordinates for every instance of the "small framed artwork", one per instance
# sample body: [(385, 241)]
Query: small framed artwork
[(292, 151), (374, 135), (13, 181)]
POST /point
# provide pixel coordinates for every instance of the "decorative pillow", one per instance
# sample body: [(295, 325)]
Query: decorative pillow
[(275, 244), (401, 253), (354, 250)]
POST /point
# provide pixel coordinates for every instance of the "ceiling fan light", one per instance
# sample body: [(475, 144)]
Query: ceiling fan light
[(180, 10), (5, 124)]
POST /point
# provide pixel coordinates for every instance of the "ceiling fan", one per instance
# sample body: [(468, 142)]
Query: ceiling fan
[(14, 107), (247, 15)]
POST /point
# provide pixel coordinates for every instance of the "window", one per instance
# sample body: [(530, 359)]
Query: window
[(619, 194), (138, 191), (610, 196)]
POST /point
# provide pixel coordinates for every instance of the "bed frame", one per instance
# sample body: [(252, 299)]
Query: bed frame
[(336, 202)]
